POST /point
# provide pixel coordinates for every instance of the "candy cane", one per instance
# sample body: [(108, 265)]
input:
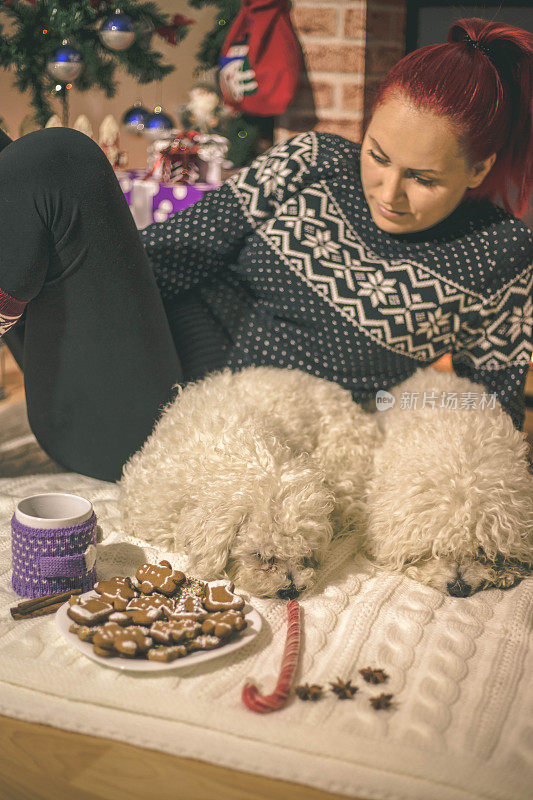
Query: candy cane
[(272, 702)]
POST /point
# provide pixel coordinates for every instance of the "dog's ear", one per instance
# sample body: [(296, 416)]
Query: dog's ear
[(207, 539), (208, 564)]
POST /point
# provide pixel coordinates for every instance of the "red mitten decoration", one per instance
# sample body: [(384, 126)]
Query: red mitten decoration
[(260, 60)]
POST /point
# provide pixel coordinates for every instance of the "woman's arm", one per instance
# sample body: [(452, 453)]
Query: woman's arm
[(494, 344), (192, 244)]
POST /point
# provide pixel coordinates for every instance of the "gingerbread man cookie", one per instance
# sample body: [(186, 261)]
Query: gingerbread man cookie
[(113, 639), (104, 636), (145, 610), (118, 591), (131, 641), (151, 578), (223, 623)]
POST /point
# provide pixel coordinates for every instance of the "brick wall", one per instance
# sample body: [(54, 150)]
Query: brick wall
[(348, 46)]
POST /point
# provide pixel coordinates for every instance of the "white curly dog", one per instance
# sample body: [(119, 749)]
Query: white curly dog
[(256, 475)]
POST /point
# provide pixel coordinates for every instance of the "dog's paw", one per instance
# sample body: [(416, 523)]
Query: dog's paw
[(438, 573)]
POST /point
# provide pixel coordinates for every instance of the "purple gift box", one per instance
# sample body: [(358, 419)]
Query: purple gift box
[(153, 201)]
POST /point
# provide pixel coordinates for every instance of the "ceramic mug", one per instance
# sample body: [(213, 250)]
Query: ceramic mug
[(53, 544)]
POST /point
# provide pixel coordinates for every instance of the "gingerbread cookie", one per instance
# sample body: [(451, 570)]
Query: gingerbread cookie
[(104, 636), (161, 578), (190, 607), (120, 617), (223, 623), (204, 642), (117, 591), (219, 596), (83, 632), (131, 641), (102, 652), (145, 609), (159, 614), (167, 653), (192, 587), (90, 611), (165, 632)]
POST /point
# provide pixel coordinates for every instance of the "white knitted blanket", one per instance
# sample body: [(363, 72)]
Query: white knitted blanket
[(460, 672)]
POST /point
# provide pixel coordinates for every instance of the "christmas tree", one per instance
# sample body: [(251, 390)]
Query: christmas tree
[(248, 135), (52, 39)]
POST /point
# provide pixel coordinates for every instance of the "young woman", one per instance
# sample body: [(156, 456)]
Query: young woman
[(356, 262)]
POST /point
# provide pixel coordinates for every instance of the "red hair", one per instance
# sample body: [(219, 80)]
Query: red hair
[(487, 95)]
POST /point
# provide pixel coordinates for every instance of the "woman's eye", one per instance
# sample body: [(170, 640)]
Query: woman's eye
[(422, 181), (376, 157)]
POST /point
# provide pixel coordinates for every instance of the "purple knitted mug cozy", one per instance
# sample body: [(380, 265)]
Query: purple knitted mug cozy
[(48, 561)]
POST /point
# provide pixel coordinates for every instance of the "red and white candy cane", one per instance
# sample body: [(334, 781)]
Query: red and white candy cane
[(272, 702)]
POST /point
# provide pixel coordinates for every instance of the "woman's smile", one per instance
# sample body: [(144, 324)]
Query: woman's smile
[(389, 213)]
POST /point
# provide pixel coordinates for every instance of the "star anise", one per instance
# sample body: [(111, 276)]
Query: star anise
[(381, 701), (309, 692), (343, 689), (374, 675)]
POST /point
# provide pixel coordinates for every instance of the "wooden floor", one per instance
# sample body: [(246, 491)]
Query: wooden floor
[(40, 762)]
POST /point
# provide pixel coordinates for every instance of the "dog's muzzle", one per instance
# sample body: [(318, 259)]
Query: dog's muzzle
[(290, 593)]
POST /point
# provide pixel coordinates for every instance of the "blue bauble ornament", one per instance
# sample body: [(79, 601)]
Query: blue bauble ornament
[(65, 63), (117, 32), (158, 124), (135, 118)]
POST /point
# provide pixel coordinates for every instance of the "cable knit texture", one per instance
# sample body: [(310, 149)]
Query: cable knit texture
[(459, 671), (287, 259)]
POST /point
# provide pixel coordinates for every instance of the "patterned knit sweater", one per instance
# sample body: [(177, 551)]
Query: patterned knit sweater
[(286, 256)]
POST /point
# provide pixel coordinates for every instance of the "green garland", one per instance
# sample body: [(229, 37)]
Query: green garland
[(38, 28)]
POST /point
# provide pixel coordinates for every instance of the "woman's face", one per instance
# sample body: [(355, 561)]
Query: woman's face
[(411, 163)]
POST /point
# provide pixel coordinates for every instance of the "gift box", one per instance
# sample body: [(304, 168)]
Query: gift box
[(153, 201)]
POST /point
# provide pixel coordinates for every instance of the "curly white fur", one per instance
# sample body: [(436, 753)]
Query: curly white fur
[(253, 473), (450, 499), (259, 473)]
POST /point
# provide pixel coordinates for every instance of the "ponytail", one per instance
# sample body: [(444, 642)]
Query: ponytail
[(482, 80)]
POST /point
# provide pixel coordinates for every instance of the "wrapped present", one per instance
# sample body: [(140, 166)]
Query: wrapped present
[(152, 200), (175, 160)]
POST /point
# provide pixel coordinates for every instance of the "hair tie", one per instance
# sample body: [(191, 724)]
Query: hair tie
[(474, 43)]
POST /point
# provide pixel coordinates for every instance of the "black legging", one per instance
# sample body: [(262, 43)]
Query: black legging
[(98, 354)]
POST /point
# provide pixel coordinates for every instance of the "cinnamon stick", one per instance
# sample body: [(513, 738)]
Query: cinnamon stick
[(38, 612), (28, 606)]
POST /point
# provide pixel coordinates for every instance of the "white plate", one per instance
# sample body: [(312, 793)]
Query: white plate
[(242, 638)]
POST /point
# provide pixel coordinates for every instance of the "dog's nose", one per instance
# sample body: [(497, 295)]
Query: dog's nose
[(459, 588), (288, 594)]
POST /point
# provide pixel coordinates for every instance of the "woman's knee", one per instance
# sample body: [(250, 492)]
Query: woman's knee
[(54, 152)]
